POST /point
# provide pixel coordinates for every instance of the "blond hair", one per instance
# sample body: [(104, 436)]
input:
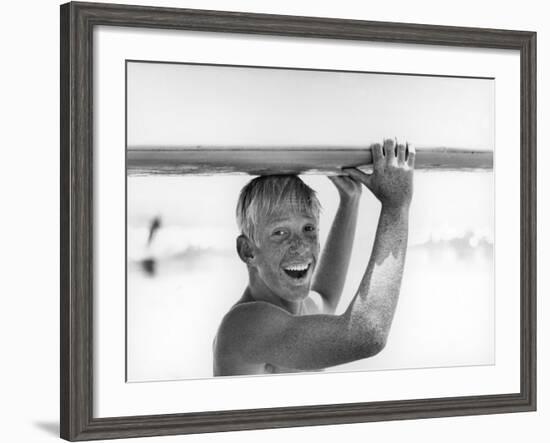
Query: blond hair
[(262, 195)]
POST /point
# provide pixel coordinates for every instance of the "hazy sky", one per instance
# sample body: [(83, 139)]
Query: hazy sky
[(187, 105)]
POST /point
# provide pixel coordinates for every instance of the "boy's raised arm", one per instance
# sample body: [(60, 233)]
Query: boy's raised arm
[(374, 305), (330, 275)]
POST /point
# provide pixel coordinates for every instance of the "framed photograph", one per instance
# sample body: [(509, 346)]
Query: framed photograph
[(272, 221)]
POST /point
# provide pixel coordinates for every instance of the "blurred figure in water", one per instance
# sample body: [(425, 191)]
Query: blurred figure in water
[(149, 264), (153, 228)]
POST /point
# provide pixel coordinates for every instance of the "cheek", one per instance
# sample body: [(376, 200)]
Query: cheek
[(314, 245), (272, 255)]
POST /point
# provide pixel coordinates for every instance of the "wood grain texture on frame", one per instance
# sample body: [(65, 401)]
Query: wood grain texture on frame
[(76, 214)]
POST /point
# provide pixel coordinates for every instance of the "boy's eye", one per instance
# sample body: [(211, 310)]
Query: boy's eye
[(310, 228), (279, 232)]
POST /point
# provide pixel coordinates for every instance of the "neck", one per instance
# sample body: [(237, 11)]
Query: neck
[(259, 291)]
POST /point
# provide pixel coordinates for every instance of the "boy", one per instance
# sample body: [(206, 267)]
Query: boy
[(276, 326)]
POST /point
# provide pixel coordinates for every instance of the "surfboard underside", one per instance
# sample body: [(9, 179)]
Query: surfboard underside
[(268, 161)]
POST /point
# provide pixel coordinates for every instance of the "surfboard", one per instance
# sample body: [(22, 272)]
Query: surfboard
[(209, 160)]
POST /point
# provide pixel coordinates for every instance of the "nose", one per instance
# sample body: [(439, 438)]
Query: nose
[(299, 245)]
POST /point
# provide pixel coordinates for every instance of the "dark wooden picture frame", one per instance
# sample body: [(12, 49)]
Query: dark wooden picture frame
[(77, 23)]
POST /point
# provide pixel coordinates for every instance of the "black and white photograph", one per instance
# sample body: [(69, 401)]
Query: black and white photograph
[(283, 220)]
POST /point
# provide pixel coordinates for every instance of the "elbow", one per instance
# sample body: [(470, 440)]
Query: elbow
[(376, 346), (372, 344), (368, 337)]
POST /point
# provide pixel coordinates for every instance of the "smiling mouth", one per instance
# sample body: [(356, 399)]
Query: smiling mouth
[(297, 271)]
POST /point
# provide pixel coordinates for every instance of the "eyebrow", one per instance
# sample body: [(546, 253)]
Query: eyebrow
[(278, 220)]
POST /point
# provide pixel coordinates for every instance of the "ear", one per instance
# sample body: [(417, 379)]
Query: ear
[(245, 249)]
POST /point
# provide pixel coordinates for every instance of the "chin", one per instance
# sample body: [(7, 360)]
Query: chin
[(297, 291)]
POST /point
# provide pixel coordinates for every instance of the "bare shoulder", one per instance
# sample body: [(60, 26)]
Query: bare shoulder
[(250, 329), (260, 318), (247, 319), (242, 335)]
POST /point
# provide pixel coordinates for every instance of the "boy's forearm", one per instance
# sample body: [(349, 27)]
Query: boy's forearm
[(371, 312), (333, 265)]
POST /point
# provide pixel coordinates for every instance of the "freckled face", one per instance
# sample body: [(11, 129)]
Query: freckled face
[(286, 253)]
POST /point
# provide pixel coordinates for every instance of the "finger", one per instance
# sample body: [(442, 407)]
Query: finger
[(347, 181), (344, 178), (359, 176), (377, 155), (401, 154), (339, 181), (389, 148), (412, 155)]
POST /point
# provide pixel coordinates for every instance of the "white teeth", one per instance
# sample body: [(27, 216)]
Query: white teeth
[(297, 267)]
